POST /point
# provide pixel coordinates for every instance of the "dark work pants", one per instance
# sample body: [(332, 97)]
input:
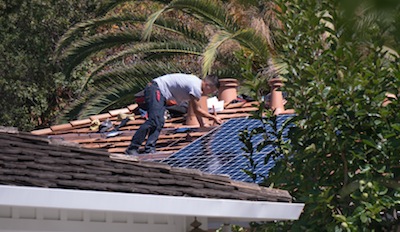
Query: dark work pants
[(156, 105)]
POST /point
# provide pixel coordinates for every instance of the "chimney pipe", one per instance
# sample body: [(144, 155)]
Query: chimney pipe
[(277, 101), (191, 119), (227, 90)]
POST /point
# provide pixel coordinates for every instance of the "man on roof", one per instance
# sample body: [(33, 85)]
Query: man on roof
[(179, 87)]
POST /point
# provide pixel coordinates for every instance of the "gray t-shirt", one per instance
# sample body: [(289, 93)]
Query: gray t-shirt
[(179, 86)]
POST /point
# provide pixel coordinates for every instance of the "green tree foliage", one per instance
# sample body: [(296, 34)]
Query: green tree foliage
[(135, 41), (31, 85), (118, 61), (343, 158)]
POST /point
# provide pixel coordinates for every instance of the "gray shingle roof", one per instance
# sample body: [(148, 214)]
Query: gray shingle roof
[(30, 160)]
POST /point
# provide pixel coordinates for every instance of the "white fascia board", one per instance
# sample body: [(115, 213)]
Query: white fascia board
[(237, 210)]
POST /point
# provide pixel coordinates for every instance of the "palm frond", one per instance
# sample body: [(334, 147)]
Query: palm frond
[(181, 29), (208, 11), (247, 38), (148, 27), (211, 51), (112, 94), (108, 5), (162, 49), (247, 3), (76, 31), (116, 89), (144, 69), (251, 40), (169, 46), (89, 46)]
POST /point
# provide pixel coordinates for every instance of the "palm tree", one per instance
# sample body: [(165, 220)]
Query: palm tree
[(121, 62), (240, 25), (130, 43), (375, 15)]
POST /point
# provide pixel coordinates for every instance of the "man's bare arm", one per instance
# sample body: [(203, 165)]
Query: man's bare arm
[(202, 112)]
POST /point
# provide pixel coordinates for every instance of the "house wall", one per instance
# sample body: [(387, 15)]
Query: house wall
[(24, 219)]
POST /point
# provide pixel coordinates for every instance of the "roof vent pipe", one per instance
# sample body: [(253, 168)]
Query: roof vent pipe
[(227, 90), (191, 119), (277, 103)]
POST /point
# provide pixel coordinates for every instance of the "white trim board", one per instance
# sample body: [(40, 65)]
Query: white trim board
[(223, 209)]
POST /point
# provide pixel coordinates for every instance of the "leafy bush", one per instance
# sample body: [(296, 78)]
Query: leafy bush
[(343, 160)]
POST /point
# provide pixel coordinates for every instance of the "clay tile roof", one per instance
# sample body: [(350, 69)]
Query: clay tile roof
[(170, 141), (31, 160)]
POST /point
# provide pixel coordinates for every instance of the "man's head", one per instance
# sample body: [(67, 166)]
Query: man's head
[(210, 84)]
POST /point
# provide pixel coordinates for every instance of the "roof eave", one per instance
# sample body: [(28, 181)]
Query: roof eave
[(217, 209)]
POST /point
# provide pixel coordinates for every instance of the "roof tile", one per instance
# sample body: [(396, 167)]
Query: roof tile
[(119, 111), (100, 116), (133, 107), (169, 140), (80, 122), (61, 127), (45, 131), (40, 163)]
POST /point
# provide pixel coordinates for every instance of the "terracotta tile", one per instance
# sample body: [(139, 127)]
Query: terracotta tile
[(61, 127), (100, 116), (87, 140), (131, 128), (116, 150), (229, 116), (235, 105), (133, 107), (177, 119), (237, 110), (123, 144), (119, 111), (95, 145), (137, 121), (168, 140), (251, 104), (82, 130), (174, 148), (119, 138), (80, 122), (42, 131)]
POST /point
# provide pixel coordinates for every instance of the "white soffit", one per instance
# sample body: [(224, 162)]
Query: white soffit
[(150, 204)]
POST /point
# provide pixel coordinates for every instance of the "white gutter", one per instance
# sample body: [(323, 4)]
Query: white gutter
[(150, 204)]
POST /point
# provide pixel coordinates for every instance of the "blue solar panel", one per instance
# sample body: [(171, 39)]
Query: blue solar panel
[(220, 151)]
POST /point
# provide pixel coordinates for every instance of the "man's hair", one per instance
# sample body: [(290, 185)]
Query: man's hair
[(213, 80)]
